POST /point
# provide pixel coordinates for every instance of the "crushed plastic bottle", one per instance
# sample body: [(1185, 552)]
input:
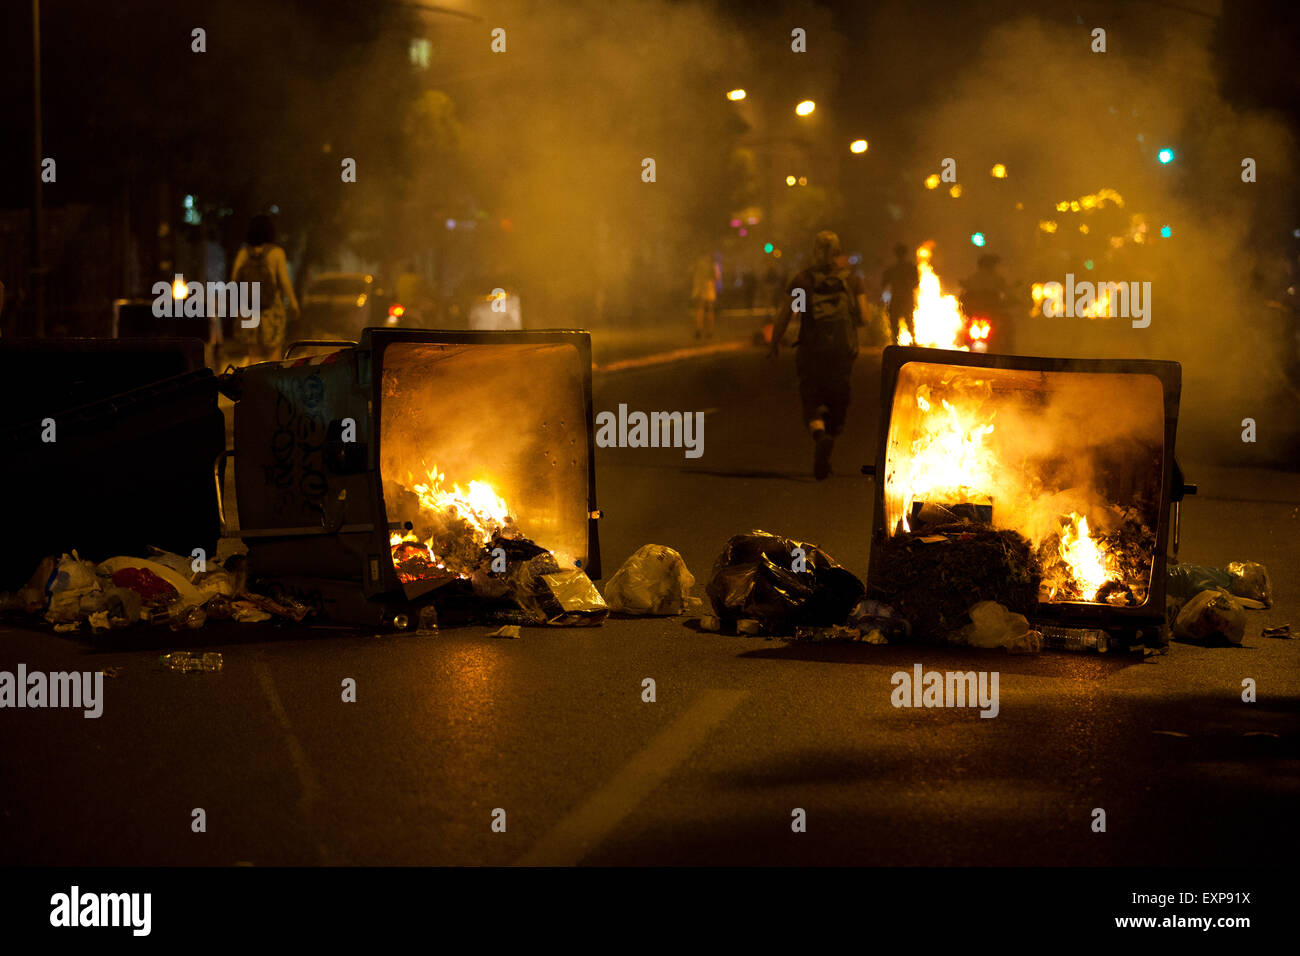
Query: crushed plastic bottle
[(188, 662), (1075, 639)]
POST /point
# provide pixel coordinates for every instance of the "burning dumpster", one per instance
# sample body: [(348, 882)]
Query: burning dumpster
[(1044, 484), (384, 475)]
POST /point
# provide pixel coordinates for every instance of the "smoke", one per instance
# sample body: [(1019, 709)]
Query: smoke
[(588, 101), (1067, 122)]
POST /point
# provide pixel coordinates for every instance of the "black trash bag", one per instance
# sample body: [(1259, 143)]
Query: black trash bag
[(754, 578)]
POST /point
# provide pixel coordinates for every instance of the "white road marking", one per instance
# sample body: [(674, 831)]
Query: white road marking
[(586, 826)]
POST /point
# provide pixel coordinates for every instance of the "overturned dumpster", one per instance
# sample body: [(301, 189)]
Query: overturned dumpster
[(1044, 485), (418, 469)]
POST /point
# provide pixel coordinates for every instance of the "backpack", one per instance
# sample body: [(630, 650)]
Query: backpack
[(257, 268), (830, 324)]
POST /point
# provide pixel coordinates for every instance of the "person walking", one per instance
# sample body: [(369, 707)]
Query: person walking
[(704, 292), (264, 262), (830, 302), (901, 279)]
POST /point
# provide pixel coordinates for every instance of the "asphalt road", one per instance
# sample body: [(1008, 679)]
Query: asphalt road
[(552, 728)]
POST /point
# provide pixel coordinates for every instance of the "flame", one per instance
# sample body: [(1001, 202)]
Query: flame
[(475, 512), (953, 462), (937, 318), (1086, 560), (949, 462)]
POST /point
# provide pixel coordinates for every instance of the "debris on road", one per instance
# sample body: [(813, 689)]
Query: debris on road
[(164, 588), (506, 630), (188, 662), (1245, 580), (992, 625), (653, 581), (779, 584), (1212, 616), (823, 635), (1282, 631), (868, 616)]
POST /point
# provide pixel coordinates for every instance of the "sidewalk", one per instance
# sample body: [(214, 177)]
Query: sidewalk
[(621, 348)]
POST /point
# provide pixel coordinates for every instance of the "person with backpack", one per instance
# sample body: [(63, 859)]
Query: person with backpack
[(830, 302), (264, 262)]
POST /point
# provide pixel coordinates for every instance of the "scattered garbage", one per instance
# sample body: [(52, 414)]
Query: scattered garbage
[(506, 630), (161, 589), (868, 616), (187, 662), (1212, 616), (710, 623), (427, 622), (822, 635), (569, 599), (1076, 639), (1248, 580), (992, 625), (1282, 631), (770, 584), (653, 581)]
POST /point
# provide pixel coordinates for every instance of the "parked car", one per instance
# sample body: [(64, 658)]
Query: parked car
[(338, 305)]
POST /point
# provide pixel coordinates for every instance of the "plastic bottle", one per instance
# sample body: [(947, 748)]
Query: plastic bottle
[(1076, 639)]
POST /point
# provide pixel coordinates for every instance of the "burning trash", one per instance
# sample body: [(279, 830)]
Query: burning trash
[(1036, 484)]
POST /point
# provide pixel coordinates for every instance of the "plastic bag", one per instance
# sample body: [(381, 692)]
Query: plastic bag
[(1250, 580), (569, 599), (781, 583), (1210, 616), (992, 625), (654, 580), (1187, 580)]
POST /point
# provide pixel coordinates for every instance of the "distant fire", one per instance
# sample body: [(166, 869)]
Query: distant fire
[(937, 318)]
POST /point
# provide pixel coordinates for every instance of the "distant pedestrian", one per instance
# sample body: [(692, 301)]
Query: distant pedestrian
[(704, 293), (901, 279), (264, 262), (830, 301)]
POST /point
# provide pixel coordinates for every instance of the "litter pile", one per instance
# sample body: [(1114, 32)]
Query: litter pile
[(764, 583), (936, 578), (535, 590), (1206, 605), (166, 588)]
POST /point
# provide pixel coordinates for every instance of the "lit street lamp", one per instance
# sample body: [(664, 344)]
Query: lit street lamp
[(804, 108)]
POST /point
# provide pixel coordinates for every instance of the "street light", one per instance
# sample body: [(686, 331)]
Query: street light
[(998, 171), (806, 107), (789, 180), (735, 95), (858, 146)]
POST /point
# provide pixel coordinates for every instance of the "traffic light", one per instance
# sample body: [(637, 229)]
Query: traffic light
[(977, 239), (767, 247), (1165, 155)]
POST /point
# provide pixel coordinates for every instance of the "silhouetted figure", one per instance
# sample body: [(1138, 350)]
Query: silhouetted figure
[(830, 301), (901, 279), (262, 261)]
